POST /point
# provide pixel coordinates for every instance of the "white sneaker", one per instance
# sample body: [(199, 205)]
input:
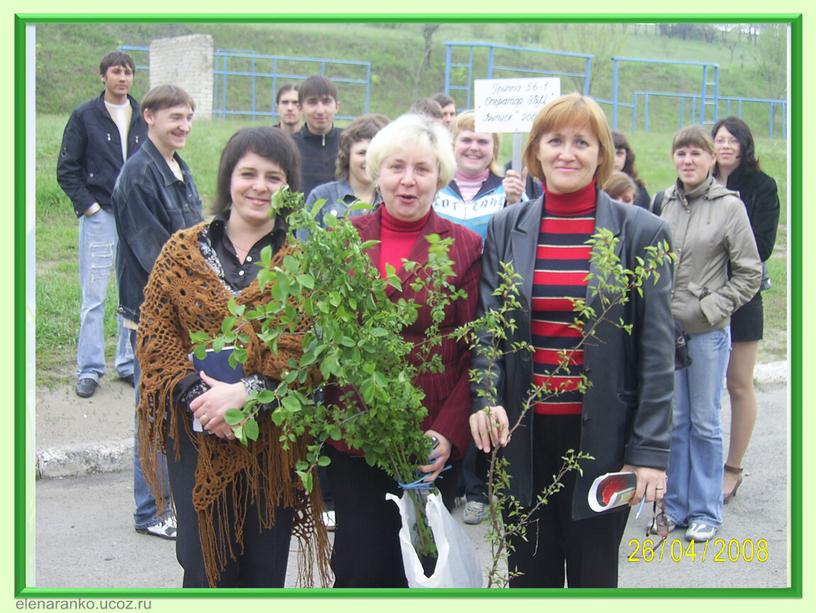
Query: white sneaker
[(700, 531), (475, 512), (165, 529)]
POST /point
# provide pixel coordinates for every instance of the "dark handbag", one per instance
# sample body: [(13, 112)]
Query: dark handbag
[(682, 359)]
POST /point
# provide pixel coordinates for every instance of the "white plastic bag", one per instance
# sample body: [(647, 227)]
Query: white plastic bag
[(457, 564)]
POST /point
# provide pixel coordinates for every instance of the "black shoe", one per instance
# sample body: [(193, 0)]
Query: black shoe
[(128, 379), (86, 387)]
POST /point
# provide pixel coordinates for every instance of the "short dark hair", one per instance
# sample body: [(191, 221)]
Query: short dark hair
[(287, 87), (428, 107), (116, 58), (740, 130), (443, 100), (362, 128), (317, 86), (165, 96), (269, 143)]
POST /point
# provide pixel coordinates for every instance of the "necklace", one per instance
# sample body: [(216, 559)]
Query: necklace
[(237, 245)]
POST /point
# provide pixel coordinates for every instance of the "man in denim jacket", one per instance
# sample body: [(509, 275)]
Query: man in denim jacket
[(154, 197), (99, 136)]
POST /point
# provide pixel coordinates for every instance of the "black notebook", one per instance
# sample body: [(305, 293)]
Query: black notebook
[(216, 365)]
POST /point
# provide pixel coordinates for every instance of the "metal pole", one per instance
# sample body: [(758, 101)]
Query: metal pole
[(470, 77), (368, 87), (517, 138), (447, 69), (646, 112), (224, 88), (615, 96), (252, 66)]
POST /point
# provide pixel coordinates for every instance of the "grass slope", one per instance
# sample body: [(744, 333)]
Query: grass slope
[(67, 55)]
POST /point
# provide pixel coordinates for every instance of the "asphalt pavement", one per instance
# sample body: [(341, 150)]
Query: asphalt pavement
[(84, 534)]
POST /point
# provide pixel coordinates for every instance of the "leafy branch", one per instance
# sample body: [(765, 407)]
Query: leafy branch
[(489, 336), (331, 298)]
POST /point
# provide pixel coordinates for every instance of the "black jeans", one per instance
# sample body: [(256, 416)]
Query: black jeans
[(366, 549), (586, 549)]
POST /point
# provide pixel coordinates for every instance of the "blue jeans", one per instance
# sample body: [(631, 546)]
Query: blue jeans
[(146, 511), (97, 252), (694, 490)]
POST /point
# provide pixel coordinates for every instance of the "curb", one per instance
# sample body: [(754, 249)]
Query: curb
[(85, 459), (113, 456)]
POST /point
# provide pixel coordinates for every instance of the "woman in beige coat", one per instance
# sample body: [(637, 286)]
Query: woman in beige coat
[(711, 236)]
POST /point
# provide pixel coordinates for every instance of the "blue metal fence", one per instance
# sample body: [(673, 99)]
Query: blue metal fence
[(263, 74), (243, 78), (235, 69), (690, 111), (709, 86), (531, 65)]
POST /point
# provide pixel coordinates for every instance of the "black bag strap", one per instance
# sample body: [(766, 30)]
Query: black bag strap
[(657, 204)]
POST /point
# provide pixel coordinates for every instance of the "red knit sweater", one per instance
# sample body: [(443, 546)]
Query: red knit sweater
[(562, 265)]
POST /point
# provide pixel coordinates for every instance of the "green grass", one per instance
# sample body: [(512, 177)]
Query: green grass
[(68, 54)]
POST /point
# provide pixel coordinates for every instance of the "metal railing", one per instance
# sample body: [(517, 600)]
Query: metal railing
[(709, 89), (245, 82), (534, 66)]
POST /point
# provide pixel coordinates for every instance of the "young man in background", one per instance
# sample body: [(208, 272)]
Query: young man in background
[(100, 135), (287, 105), (154, 197), (318, 140)]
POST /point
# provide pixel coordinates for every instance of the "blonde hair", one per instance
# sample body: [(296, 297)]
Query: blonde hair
[(575, 110), (467, 121), (408, 130)]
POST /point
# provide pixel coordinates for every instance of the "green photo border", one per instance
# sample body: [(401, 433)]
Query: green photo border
[(24, 454)]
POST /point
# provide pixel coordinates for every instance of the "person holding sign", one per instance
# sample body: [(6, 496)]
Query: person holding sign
[(623, 420), (477, 190), (237, 505)]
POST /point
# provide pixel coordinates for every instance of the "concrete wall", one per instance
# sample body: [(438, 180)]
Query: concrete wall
[(186, 61)]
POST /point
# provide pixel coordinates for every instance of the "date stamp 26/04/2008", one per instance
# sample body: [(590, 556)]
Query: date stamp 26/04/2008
[(717, 551)]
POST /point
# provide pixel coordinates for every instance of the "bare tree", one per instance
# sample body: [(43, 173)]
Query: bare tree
[(428, 31)]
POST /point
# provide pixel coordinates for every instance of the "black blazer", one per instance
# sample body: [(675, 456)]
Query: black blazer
[(626, 416), (758, 191)]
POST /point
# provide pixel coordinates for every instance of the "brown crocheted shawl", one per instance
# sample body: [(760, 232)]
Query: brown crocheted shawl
[(184, 294)]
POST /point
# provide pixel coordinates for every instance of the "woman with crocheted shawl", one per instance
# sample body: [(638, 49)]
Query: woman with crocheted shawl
[(237, 505)]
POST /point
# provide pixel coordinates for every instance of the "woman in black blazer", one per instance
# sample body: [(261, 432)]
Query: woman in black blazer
[(623, 419), (738, 169)]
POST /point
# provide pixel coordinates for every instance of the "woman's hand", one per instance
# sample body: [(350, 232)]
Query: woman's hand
[(651, 483), (490, 427), (209, 408), (514, 185), (439, 455)]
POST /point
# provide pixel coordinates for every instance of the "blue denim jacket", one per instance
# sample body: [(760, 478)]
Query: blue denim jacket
[(149, 204)]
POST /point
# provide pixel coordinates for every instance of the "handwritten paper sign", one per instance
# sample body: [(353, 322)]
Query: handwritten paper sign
[(510, 105)]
